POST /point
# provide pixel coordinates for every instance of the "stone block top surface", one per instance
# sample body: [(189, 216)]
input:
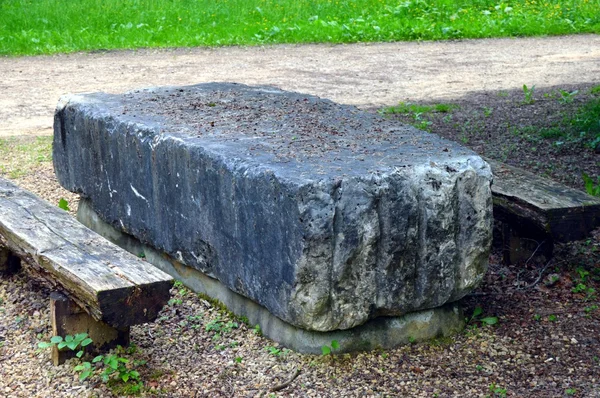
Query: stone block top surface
[(298, 135), (325, 214)]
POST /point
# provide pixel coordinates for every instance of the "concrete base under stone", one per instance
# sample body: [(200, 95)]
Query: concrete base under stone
[(383, 332)]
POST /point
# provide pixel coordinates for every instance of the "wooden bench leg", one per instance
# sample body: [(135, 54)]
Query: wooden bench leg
[(69, 319), (9, 263), (519, 247)]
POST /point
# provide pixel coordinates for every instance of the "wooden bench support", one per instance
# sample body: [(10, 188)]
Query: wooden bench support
[(520, 245), (9, 263), (69, 319), (111, 285), (536, 212), (104, 289)]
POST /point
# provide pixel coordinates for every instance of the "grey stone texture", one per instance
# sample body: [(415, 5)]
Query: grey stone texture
[(326, 215), (383, 332)]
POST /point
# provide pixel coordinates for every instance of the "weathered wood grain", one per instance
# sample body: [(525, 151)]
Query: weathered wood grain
[(532, 203), (113, 286)]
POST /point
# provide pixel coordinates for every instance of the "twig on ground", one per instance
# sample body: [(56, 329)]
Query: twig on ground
[(517, 283), (558, 312), (283, 385), (535, 251), (538, 279), (475, 294)]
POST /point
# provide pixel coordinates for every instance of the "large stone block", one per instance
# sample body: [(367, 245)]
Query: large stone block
[(326, 215)]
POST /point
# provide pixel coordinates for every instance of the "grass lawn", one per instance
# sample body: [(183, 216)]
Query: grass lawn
[(53, 26), (20, 155)]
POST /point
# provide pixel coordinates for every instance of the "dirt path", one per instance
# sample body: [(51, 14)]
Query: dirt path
[(359, 74)]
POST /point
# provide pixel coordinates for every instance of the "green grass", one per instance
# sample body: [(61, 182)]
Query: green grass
[(583, 127), (586, 123), (417, 109), (52, 26), (18, 156)]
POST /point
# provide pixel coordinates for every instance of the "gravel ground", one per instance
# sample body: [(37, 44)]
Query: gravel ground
[(545, 343)]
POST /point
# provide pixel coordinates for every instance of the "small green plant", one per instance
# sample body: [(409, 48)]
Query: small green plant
[(537, 317), (487, 111), (567, 97), (77, 343), (582, 273), (552, 318), (570, 391), (595, 90), (63, 204), (277, 352), (488, 320), (423, 124), (590, 309), (273, 350), (591, 187), (496, 391), (174, 301), (194, 321), (220, 327), (528, 93), (115, 366), (579, 288), (328, 349), (238, 359)]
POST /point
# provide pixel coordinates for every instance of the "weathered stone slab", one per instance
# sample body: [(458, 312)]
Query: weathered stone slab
[(383, 332), (326, 215)]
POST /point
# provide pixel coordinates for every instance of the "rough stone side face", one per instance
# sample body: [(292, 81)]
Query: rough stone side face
[(392, 245), (322, 243)]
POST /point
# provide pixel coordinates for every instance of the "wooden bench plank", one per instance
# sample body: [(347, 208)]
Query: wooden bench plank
[(113, 286), (563, 213)]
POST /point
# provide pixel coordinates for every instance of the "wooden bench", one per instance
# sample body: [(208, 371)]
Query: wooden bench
[(536, 212), (104, 289)]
